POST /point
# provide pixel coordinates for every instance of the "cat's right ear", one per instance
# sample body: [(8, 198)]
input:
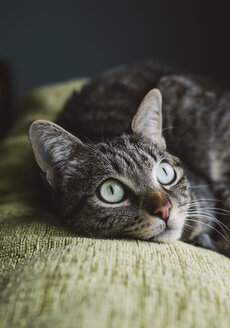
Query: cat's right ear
[(147, 122), (52, 147)]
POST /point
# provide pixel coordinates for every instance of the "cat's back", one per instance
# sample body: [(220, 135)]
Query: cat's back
[(105, 106)]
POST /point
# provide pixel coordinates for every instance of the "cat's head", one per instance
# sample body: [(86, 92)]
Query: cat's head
[(129, 186)]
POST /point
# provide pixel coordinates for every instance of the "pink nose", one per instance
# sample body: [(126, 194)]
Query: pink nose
[(163, 210)]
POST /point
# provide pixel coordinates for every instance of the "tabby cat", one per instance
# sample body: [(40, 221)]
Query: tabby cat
[(109, 170)]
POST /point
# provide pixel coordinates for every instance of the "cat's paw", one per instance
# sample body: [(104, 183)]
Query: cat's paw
[(204, 240)]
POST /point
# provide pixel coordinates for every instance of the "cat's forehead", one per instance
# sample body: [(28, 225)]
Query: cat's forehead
[(139, 150), (133, 158)]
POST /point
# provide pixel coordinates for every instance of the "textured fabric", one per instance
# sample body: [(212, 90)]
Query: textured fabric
[(49, 277)]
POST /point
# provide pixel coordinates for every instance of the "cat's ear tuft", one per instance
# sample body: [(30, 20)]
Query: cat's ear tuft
[(52, 147), (148, 120)]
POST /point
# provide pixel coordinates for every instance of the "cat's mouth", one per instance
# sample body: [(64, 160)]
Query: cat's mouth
[(168, 235)]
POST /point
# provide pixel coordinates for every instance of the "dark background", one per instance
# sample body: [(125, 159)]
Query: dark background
[(50, 41)]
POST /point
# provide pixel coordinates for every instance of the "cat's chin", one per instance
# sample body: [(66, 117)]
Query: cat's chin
[(168, 235)]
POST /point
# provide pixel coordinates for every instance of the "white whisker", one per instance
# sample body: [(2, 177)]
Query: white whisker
[(206, 199), (213, 210), (169, 127), (206, 224), (200, 186), (212, 218)]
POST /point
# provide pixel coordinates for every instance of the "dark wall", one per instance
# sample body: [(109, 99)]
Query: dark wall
[(49, 41)]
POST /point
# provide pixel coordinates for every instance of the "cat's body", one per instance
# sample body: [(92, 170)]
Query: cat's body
[(196, 128)]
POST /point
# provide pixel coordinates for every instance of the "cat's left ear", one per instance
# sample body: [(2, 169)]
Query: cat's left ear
[(53, 147), (148, 120)]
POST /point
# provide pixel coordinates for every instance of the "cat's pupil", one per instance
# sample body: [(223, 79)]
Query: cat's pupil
[(165, 171), (111, 191)]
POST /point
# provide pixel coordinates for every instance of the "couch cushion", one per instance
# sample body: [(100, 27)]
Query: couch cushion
[(49, 277)]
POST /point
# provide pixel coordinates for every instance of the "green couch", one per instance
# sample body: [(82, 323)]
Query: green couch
[(49, 277)]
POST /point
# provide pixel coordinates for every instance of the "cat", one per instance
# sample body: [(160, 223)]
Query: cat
[(110, 173)]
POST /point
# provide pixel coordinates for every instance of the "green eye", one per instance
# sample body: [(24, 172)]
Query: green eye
[(166, 173), (112, 191)]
